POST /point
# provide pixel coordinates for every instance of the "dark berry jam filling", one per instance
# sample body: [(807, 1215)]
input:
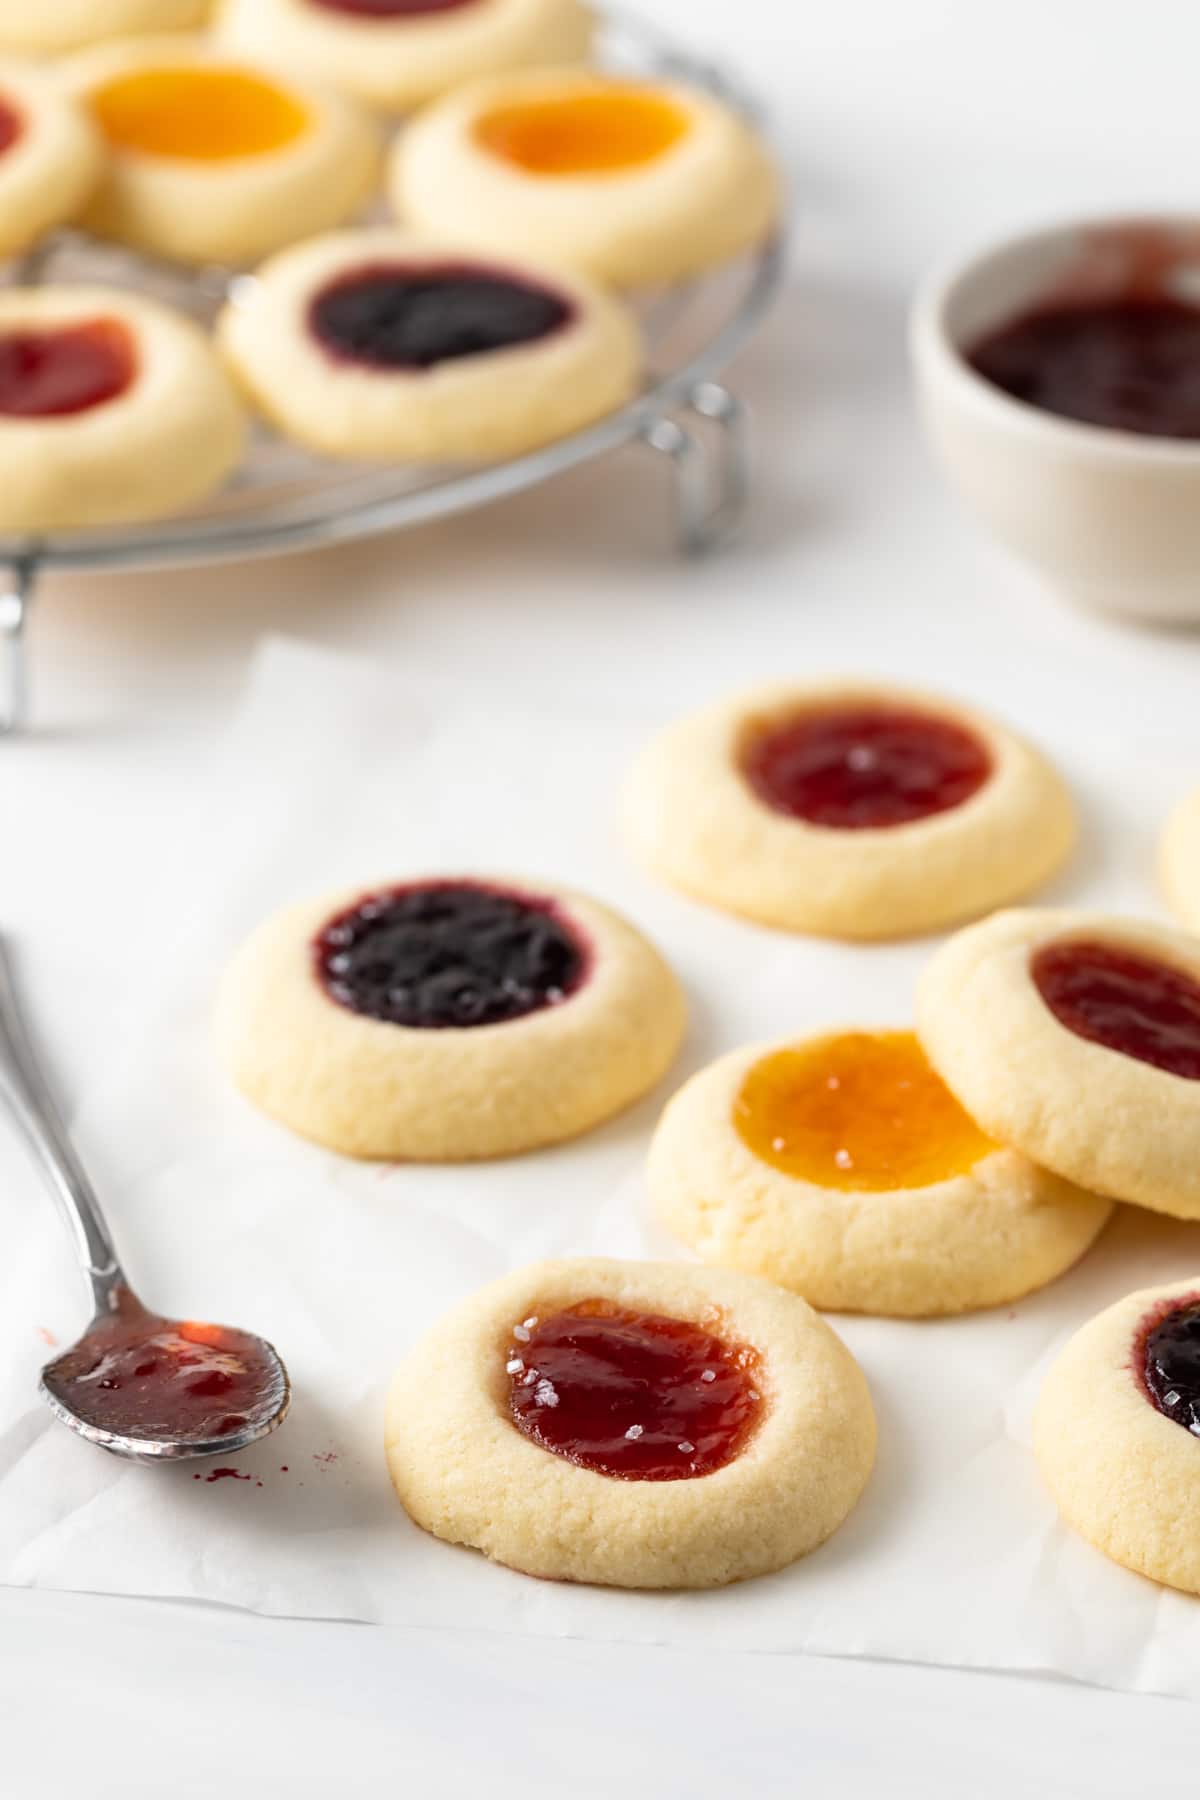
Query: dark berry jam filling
[(391, 9), (864, 767), (141, 1376), (387, 316), (1131, 364), (55, 370), (12, 125), (630, 1394), (1129, 1003), (450, 953), (1169, 1361)]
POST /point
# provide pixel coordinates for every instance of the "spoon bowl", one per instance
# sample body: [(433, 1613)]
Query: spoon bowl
[(137, 1383), (154, 1389)]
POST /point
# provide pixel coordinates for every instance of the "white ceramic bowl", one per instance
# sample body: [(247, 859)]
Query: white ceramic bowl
[(1111, 518)]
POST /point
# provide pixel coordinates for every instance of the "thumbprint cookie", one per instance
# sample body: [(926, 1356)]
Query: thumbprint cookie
[(636, 183), (846, 809), (377, 345), (112, 409), (841, 1166), (1179, 861), (48, 27), (447, 1018), (1116, 1432), (396, 54), (1075, 1038), (217, 160), (637, 1425), (50, 156)]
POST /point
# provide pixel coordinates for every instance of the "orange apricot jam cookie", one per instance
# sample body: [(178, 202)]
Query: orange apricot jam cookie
[(841, 1167), (212, 160), (633, 1424), (847, 809), (636, 183)]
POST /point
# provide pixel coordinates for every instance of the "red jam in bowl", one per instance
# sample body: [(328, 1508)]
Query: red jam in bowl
[(1130, 364)]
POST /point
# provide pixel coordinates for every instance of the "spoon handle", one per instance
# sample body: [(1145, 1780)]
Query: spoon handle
[(26, 1094)]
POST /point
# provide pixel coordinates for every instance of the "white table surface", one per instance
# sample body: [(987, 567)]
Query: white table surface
[(913, 128)]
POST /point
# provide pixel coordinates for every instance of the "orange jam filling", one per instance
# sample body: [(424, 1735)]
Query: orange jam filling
[(585, 133), (859, 1111), (198, 114)]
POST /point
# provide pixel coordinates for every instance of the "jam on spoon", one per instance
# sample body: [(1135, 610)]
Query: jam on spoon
[(136, 1383)]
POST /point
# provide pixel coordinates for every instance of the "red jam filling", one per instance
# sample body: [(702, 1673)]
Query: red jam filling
[(1128, 1003), (450, 953), (51, 372), (863, 767), (386, 316), (391, 9), (12, 125), (141, 1376), (1131, 364), (1167, 1360), (633, 1395)]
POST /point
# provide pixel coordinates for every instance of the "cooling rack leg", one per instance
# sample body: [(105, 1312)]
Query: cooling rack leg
[(16, 600), (711, 472)]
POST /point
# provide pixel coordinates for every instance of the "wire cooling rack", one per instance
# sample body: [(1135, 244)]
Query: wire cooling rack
[(284, 498)]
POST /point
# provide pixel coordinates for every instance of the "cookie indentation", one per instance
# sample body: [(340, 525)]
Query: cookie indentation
[(389, 317), (53, 371), (587, 133), (1127, 1002), (198, 114), (634, 1395), (450, 954), (861, 1111), (1171, 1364), (864, 767)]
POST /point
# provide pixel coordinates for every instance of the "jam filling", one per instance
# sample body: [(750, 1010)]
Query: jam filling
[(390, 317), (1170, 1362), (1125, 1001), (51, 371), (862, 1112), (864, 766), (12, 125), (450, 953), (198, 114), (1131, 364), (586, 133), (633, 1395), (142, 1376), (391, 9)]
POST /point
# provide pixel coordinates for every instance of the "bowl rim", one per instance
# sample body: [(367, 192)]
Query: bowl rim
[(932, 348)]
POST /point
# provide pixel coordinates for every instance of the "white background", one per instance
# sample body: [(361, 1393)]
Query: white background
[(912, 129)]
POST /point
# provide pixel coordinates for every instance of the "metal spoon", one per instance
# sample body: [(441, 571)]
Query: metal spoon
[(138, 1384)]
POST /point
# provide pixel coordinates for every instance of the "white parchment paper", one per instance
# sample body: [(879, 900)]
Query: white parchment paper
[(338, 773)]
